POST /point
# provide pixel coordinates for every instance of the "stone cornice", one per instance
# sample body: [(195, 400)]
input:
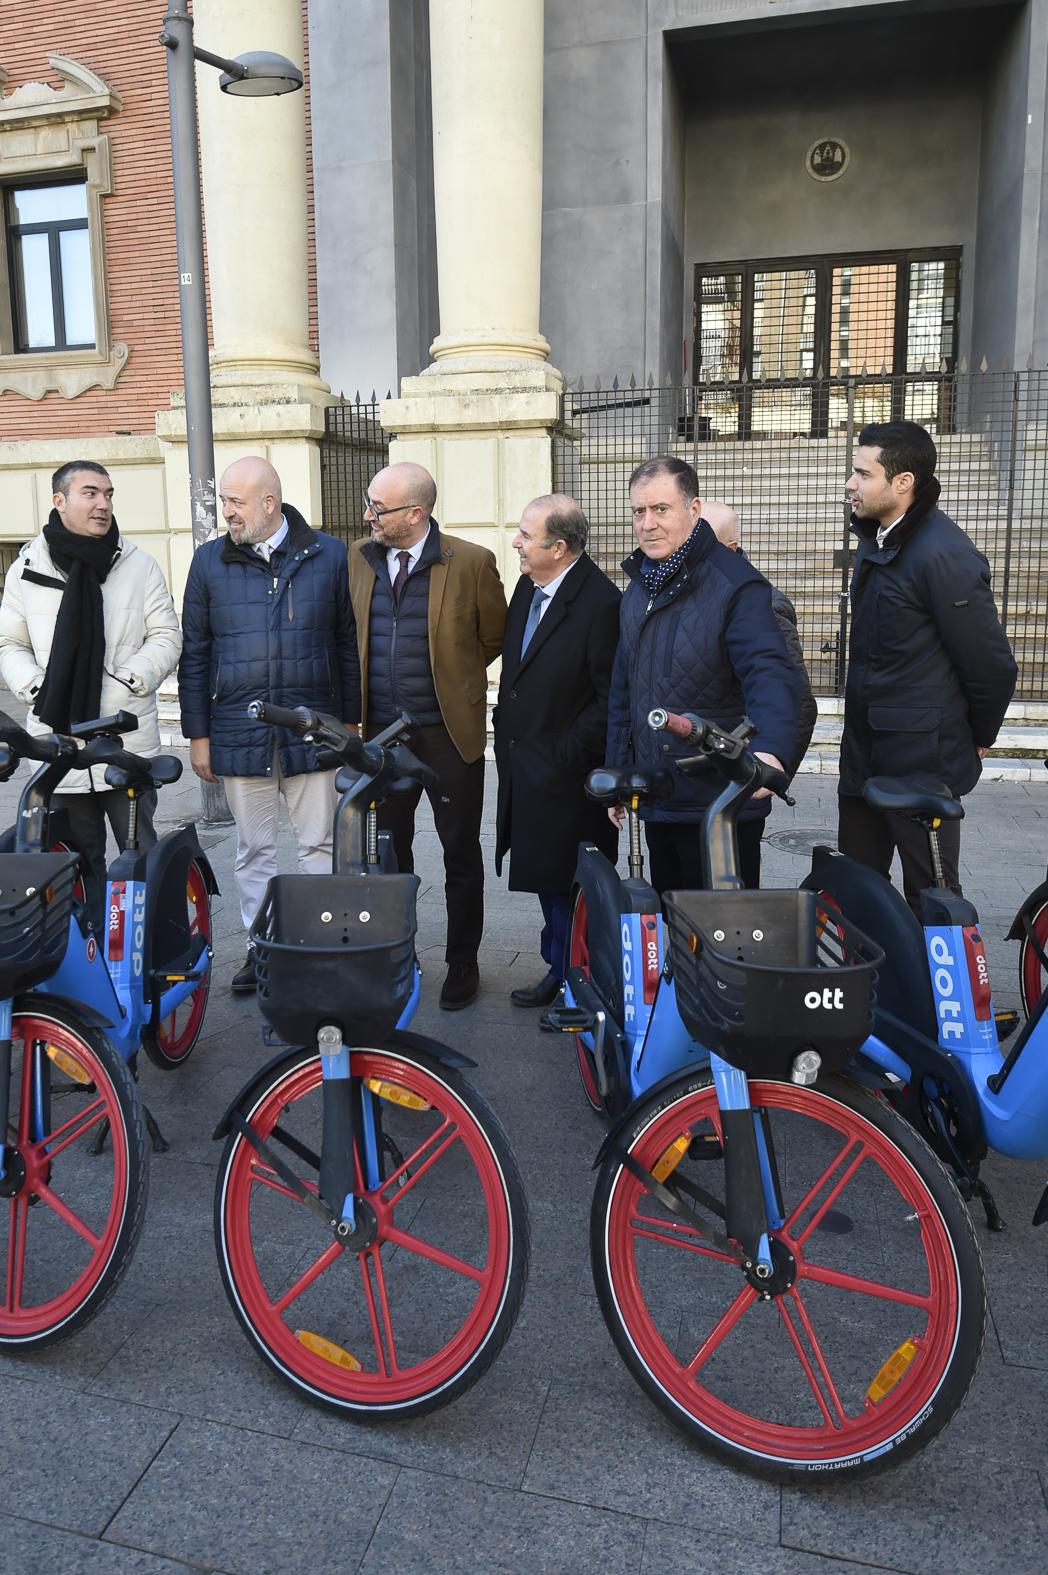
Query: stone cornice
[(82, 96)]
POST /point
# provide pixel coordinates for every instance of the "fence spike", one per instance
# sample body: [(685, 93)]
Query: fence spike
[(884, 369), (615, 383), (597, 384), (819, 371), (923, 366), (744, 378), (942, 366), (357, 399), (374, 397), (389, 393), (864, 370), (633, 381), (669, 379), (984, 365), (651, 380), (1004, 364), (963, 368)]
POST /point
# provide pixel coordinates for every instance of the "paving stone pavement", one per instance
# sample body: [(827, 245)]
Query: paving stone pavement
[(154, 1440)]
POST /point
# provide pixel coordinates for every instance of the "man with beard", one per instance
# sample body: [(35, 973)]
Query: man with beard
[(88, 628), (930, 671), (266, 616), (430, 612)]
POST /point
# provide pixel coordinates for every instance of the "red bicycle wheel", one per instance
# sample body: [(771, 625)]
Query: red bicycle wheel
[(578, 957), (1032, 974), (69, 1220), (411, 1315), (172, 1043), (862, 1344)]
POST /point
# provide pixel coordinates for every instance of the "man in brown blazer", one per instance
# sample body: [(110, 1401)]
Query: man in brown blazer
[(430, 612)]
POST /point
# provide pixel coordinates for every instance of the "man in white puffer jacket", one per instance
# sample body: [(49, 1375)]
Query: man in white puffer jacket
[(88, 627)]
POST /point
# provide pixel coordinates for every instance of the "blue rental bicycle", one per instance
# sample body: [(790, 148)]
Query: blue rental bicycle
[(784, 1265), (370, 1222), (936, 1047), (75, 1009)]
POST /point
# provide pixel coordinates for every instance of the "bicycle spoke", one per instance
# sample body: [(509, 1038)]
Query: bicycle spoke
[(425, 1249), (820, 1359), (264, 1177), (313, 1273), (74, 1128), (853, 1282), (831, 1196), (375, 1254), (802, 1357), (65, 1213), (743, 1301), (369, 1297), (672, 1234), (16, 1254), (416, 1175)]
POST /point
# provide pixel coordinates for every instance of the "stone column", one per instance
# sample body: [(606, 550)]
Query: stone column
[(487, 180), (267, 394), (480, 416)]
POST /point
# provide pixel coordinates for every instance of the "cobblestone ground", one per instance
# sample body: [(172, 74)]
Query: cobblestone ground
[(155, 1441)]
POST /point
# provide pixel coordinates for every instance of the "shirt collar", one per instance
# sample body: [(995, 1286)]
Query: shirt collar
[(414, 553), (882, 530), (553, 586), (266, 549)]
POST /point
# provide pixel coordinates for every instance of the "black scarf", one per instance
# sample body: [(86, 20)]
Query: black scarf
[(659, 571), (72, 687)]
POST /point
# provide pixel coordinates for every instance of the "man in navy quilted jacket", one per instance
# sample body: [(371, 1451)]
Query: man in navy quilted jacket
[(696, 633), (266, 616)]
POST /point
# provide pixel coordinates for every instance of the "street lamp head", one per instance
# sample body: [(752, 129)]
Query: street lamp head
[(261, 75)]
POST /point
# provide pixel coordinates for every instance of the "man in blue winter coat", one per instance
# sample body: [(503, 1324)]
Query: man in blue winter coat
[(266, 616), (696, 633)]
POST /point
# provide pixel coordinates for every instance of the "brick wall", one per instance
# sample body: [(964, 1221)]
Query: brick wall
[(118, 40)]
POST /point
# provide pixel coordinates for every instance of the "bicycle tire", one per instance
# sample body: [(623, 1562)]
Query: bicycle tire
[(391, 1305), (578, 957), (1031, 969), (69, 1221), (172, 1042), (756, 1405)]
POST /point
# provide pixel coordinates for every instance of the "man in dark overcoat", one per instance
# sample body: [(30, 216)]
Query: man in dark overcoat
[(551, 718)]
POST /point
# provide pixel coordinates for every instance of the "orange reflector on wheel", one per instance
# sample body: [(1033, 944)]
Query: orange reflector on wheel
[(668, 1162), (395, 1093), (328, 1350), (68, 1064), (892, 1371)]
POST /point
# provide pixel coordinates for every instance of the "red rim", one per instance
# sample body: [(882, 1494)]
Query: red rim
[(369, 1286), (62, 1223), (79, 890), (578, 957), (824, 919), (1032, 970), (178, 1032), (791, 1334)]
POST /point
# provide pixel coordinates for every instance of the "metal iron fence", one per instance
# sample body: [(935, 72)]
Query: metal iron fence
[(786, 478), (354, 447)]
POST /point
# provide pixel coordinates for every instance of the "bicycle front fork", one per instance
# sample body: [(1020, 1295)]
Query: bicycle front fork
[(753, 1196), (5, 1076), (351, 1127)]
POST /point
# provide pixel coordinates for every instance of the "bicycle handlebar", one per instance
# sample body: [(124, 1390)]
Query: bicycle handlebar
[(27, 746), (713, 742), (319, 729)]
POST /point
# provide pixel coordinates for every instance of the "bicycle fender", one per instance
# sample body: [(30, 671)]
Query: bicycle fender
[(87, 1014), (1035, 900), (439, 1052), (620, 1121)]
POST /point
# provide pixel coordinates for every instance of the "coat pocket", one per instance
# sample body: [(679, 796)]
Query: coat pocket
[(904, 739)]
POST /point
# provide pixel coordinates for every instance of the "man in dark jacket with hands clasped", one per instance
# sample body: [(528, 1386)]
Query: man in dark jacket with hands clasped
[(930, 670), (267, 616)]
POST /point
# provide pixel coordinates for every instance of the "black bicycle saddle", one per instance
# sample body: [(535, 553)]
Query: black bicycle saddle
[(161, 771), (616, 784), (917, 796)]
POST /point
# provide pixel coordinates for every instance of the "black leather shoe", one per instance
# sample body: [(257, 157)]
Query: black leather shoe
[(542, 994), (460, 986), (243, 981)]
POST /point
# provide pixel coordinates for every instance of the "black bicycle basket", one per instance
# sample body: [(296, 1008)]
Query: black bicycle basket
[(762, 975), (36, 900), (335, 949)]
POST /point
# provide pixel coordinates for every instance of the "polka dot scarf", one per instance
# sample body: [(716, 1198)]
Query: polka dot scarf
[(659, 572)]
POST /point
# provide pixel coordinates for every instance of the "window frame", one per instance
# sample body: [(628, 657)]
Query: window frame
[(53, 229)]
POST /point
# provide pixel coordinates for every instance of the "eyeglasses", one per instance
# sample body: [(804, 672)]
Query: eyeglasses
[(379, 512)]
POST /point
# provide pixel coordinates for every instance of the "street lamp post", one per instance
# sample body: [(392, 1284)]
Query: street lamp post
[(256, 74)]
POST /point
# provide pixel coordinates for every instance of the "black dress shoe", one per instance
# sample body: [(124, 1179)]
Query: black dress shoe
[(460, 986), (243, 981), (542, 994)]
